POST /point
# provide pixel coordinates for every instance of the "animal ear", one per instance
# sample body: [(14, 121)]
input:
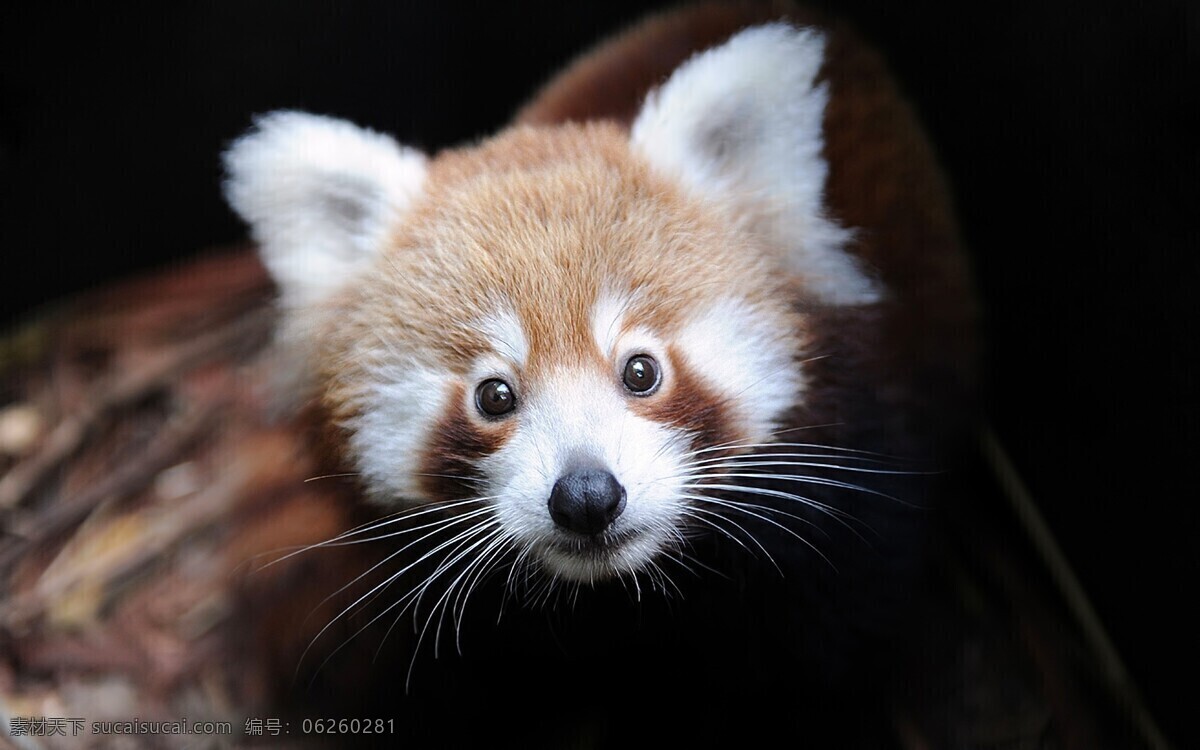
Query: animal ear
[(320, 196), (740, 126)]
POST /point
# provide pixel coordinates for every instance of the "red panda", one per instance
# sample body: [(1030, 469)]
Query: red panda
[(645, 356)]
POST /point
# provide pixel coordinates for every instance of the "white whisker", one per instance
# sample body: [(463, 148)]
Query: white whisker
[(735, 445), (837, 514), (749, 459), (333, 476), (804, 479), (388, 581), (437, 526), (444, 600), (744, 508), (397, 517), (765, 508), (695, 509), (492, 557)]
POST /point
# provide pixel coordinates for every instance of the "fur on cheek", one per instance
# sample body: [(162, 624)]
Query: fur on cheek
[(449, 466), (691, 406)]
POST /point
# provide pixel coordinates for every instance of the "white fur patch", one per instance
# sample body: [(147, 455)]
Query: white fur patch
[(746, 359), (320, 196), (505, 333), (607, 320), (400, 412), (581, 417), (740, 126)]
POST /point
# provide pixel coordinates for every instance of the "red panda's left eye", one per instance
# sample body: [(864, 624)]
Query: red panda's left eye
[(495, 398), (641, 374)]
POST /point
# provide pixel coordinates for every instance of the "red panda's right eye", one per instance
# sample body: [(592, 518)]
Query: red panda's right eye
[(495, 398)]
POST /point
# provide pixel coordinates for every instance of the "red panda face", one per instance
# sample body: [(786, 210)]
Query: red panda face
[(549, 334), (555, 338)]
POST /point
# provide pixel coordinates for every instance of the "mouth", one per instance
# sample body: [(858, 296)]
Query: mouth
[(584, 544), (591, 558)]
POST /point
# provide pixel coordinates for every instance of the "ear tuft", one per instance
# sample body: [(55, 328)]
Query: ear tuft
[(741, 126), (320, 196)]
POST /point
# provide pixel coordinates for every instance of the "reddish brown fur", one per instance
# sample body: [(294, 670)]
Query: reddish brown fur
[(535, 220), (449, 465), (688, 404), (611, 81)]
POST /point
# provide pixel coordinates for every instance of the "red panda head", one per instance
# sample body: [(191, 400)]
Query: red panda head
[(550, 332)]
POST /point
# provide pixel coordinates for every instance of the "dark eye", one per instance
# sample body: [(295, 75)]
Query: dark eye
[(641, 374), (494, 398)]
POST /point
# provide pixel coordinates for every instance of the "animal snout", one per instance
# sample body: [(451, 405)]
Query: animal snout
[(586, 501)]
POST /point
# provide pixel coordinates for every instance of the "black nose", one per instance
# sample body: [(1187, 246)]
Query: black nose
[(586, 501)]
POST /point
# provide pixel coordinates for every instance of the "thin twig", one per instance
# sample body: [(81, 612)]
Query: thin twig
[(114, 392), (1067, 584), (133, 475)]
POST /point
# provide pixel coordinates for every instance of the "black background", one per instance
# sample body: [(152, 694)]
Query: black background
[(1067, 130)]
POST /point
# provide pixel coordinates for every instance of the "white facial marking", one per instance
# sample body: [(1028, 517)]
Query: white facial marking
[(748, 360), (401, 410), (506, 335), (608, 318)]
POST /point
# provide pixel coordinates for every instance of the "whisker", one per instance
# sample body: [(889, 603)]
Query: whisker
[(685, 558), (751, 510), (836, 514), (460, 539), (739, 445), (637, 586), (666, 579), (398, 516), (821, 481), (765, 508), (520, 564), (551, 584), (729, 534), (456, 477), (333, 476), (451, 558), (574, 595), (746, 459), (378, 587), (798, 479), (830, 510), (493, 558), (444, 600), (425, 510), (744, 508), (470, 577), (436, 525)]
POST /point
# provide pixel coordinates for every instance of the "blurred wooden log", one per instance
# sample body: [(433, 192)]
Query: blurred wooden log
[(135, 521)]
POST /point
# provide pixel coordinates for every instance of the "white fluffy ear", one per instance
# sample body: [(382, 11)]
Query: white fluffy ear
[(320, 196), (740, 126)]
